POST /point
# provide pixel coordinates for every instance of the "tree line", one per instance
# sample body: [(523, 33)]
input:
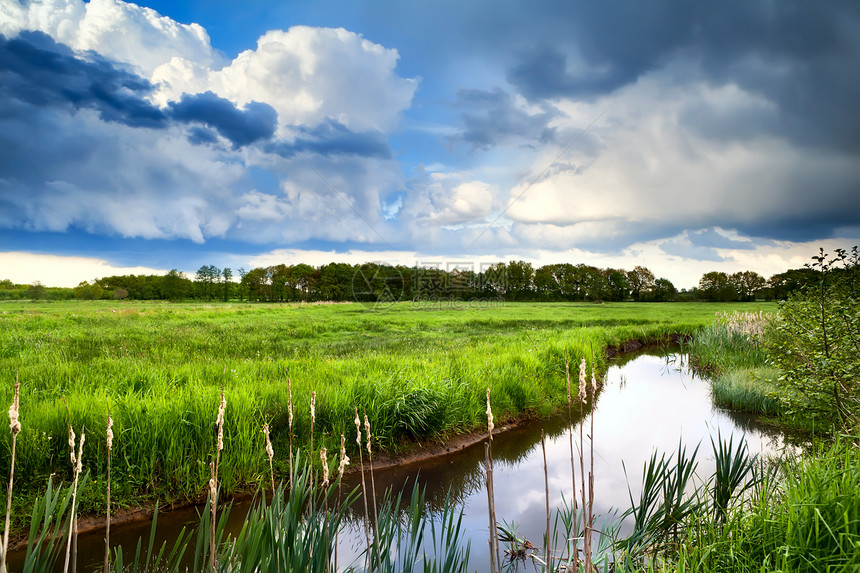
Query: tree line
[(513, 281)]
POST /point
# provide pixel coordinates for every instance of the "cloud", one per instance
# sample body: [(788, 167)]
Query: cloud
[(62, 271), (797, 57), (652, 176), (129, 33), (331, 138), (37, 71), (495, 117), (257, 121), (309, 75)]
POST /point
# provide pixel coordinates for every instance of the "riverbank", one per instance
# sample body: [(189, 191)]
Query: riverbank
[(159, 369)]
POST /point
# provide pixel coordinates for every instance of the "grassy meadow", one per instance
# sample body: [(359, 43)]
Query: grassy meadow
[(419, 372)]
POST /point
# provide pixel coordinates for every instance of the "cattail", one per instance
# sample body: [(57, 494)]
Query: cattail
[(490, 425), (77, 471), (567, 379), (344, 459), (220, 421), (270, 452), (363, 482), (372, 478), (290, 402), (367, 432), (593, 382), (109, 441), (357, 430), (313, 420), (14, 422), (15, 428), (72, 446), (582, 381), (290, 411), (213, 511), (313, 406), (109, 433), (324, 460), (80, 452)]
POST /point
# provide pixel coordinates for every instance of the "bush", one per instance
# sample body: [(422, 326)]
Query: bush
[(815, 342)]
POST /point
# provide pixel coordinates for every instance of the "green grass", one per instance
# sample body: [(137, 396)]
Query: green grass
[(419, 373), (748, 390)]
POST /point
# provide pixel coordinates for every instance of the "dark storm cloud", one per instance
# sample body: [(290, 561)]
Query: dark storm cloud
[(332, 138), (802, 56), (242, 127), (493, 118), (36, 71)]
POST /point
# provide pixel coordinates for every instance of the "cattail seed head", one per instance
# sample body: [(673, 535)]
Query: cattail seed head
[(313, 406), (344, 460), (357, 429), (593, 381), (80, 453), (290, 401), (490, 424), (324, 460), (221, 409), (567, 378), (14, 422), (213, 489), (367, 432), (269, 450), (72, 446), (109, 433), (582, 381)]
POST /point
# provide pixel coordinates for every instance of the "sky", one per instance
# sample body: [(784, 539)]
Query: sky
[(683, 136)]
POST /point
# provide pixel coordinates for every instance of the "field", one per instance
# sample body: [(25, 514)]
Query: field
[(419, 372)]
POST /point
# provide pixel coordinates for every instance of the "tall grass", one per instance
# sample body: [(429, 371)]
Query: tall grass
[(731, 352), (292, 531), (417, 374)]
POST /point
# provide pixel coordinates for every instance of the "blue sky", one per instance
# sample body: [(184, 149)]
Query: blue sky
[(682, 136)]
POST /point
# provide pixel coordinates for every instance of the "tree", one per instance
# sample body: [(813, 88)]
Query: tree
[(747, 284), (715, 286), (816, 342), (37, 291), (520, 275), (174, 285), (664, 290), (619, 285), (206, 277), (641, 281), (227, 274)]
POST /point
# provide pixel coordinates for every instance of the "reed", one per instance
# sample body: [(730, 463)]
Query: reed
[(15, 429), (367, 436), (495, 557), (270, 453), (575, 521), (547, 538), (76, 461), (290, 427), (367, 526), (109, 444)]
